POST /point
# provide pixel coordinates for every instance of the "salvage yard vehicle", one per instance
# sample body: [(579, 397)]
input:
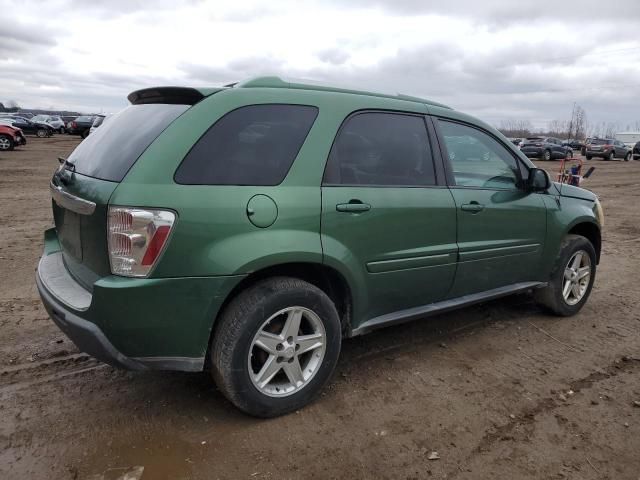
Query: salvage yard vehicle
[(247, 230), (546, 148), (80, 126), (10, 137), (54, 120), (39, 129), (608, 149)]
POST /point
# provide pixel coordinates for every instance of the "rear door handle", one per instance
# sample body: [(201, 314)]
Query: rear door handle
[(354, 206), (473, 207)]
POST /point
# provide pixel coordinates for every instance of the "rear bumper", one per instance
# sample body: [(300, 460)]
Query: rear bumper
[(86, 335), (133, 323), (532, 152)]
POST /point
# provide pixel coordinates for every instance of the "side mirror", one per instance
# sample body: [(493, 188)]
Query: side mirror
[(538, 180)]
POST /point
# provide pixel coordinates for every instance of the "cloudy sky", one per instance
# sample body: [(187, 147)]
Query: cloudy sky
[(498, 60)]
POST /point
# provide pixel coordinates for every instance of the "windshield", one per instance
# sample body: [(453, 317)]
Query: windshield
[(40, 118), (112, 149)]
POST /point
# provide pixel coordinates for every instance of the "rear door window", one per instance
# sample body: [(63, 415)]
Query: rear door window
[(111, 150), (252, 145), (383, 149)]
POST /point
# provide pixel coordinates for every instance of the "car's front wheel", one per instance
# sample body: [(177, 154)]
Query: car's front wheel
[(627, 157), (572, 278), (41, 133), (6, 142), (611, 157), (276, 346)]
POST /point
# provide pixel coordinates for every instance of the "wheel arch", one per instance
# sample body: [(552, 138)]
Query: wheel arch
[(326, 278), (591, 231)]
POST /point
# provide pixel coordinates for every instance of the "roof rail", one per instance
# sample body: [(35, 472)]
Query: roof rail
[(304, 84)]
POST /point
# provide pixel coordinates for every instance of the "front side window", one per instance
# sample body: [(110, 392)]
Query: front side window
[(252, 145), (477, 159), (384, 149)]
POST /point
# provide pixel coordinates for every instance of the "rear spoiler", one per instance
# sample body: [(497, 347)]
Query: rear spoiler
[(171, 95)]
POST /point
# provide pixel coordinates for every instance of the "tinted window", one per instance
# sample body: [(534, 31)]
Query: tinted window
[(381, 149), (253, 145), (111, 150), (597, 141), (477, 159)]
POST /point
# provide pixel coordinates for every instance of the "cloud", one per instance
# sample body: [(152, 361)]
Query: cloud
[(495, 59)]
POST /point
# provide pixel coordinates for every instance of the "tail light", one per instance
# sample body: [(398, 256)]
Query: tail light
[(136, 239), (74, 125)]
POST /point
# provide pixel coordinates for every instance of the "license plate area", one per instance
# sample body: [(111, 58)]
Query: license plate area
[(69, 234)]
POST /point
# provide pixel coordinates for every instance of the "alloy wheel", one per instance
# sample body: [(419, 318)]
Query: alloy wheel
[(577, 275), (5, 144), (287, 351)]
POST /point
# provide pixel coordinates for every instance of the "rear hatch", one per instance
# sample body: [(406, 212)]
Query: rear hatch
[(83, 185), (596, 144), (533, 142)]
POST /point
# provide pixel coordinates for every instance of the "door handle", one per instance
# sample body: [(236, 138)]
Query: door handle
[(354, 206), (473, 207)]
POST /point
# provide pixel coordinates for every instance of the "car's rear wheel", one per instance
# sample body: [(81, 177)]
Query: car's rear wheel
[(546, 155), (589, 157), (572, 278), (6, 142), (61, 130), (275, 346), (42, 133)]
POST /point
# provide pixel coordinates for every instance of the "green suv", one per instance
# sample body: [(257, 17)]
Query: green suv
[(247, 230)]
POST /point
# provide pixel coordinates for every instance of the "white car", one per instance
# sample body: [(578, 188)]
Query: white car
[(54, 120)]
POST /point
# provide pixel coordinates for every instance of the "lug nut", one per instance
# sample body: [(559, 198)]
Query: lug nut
[(279, 347), (290, 339), (290, 360)]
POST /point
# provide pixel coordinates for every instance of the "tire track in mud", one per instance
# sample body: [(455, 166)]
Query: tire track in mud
[(528, 417), (14, 378)]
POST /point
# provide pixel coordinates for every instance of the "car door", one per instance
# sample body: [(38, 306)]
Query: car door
[(501, 226), (387, 220)]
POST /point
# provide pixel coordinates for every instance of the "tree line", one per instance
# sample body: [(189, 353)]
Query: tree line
[(578, 127)]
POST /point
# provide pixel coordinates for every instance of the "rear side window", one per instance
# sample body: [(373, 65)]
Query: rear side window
[(384, 149), (252, 145), (111, 150)]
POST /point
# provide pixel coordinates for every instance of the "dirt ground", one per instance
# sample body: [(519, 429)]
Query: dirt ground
[(499, 391)]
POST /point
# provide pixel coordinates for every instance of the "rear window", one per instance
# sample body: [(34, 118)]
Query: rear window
[(598, 141), (84, 119), (252, 145), (111, 150)]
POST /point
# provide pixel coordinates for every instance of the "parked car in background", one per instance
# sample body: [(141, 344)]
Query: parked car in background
[(608, 149), (222, 230), (546, 148), (81, 125), (38, 129), (636, 151), (99, 120), (54, 120), (628, 138), (68, 118), (574, 144), (10, 137), (518, 142)]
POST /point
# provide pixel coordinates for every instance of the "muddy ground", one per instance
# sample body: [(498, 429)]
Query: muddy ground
[(500, 391)]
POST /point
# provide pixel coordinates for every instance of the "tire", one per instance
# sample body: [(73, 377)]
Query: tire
[(237, 359), (552, 296), (6, 143), (589, 157), (611, 157), (42, 133), (627, 157), (546, 155), (61, 130), (569, 154)]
